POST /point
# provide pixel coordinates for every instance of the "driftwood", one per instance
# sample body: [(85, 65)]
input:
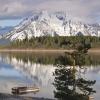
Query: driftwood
[(91, 98), (23, 90)]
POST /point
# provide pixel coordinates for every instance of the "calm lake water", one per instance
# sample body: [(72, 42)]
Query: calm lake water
[(45, 71)]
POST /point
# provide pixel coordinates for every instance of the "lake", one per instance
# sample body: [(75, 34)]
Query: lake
[(51, 73)]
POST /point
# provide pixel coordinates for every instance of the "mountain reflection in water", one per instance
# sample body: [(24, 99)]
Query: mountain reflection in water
[(42, 70)]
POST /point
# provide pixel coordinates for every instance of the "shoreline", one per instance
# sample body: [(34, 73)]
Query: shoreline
[(4, 96), (46, 50), (35, 50)]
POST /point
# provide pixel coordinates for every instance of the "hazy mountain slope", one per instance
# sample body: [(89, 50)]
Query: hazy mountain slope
[(4, 30)]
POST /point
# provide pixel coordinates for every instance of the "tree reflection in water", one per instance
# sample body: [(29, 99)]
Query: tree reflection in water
[(68, 82)]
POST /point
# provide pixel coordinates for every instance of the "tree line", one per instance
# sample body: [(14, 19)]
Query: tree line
[(62, 42)]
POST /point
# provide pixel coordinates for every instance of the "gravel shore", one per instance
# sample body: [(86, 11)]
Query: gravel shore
[(14, 97)]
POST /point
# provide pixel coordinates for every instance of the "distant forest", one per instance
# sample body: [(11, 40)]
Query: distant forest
[(57, 42)]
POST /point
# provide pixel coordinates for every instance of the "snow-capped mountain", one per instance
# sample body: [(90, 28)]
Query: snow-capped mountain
[(45, 23)]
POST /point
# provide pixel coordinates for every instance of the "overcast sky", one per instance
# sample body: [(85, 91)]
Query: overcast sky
[(85, 10)]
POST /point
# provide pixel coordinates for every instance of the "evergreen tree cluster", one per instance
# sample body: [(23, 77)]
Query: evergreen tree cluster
[(62, 42)]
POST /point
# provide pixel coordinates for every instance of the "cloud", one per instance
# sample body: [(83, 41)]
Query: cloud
[(85, 10)]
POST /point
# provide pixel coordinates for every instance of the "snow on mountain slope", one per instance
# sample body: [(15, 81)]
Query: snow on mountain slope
[(51, 24)]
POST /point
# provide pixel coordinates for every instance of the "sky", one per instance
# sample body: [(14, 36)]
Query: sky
[(9, 22), (12, 11)]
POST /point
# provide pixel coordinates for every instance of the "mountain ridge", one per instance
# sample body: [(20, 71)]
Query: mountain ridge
[(51, 24)]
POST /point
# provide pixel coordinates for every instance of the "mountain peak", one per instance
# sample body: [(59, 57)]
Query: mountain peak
[(44, 23)]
